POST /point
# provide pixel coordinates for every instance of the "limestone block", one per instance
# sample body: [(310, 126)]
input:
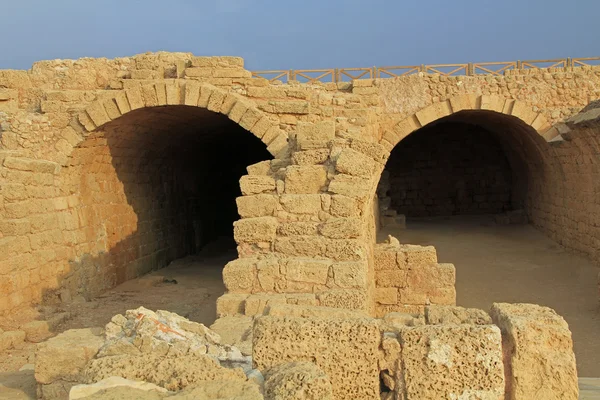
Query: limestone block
[(314, 135), (231, 304), (305, 178), (345, 349), (258, 229), (250, 118), (298, 229), (352, 299), (259, 205), (310, 311), (386, 295), (279, 147), (344, 206), (10, 339), (217, 61), (348, 275), (297, 380), (104, 386), (538, 348), (192, 93), (286, 107), (306, 270), (440, 315), (391, 278), (63, 356), (310, 157), (307, 246), (37, 331), (341, 228), (240, 275), (257, 303), (419, 254), (301, 203), (219, 390), (352, 162), (451, 362), (254, 184), (351, 186)]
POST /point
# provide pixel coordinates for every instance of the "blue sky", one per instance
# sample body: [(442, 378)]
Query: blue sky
[(283, 34)]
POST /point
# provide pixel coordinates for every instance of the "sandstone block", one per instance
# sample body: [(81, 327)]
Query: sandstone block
[(37, 331), (240, 275), (386, 295), (538, 350), (351, 299), (254, 184), (231, 304), (298, 380), (352, 162), (311, 311), (286, 107), (347, 350), (301, 203), (440, 315), (451, 361), (348, 275), (351, 186), (344, 206), (258, 229), (341, 228), (256, 303), (259, 205), (310, 157), (306, 270), (63, 356), (106, 388), (305, 178), (391, 278)]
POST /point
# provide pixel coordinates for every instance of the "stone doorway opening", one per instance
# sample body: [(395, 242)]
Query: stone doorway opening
[(472, 185), (157, 187)]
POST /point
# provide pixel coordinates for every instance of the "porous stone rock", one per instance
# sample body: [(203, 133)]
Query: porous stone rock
[(451, 362), (297, 380), (440, 315), (538, 352), (345, 349), (65, 355), (86, 391)]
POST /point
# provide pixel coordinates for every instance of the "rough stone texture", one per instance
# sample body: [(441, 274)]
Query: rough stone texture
[(538, 352), (444, 315), (297, 380), (65, 355), (451, 362), (87, 391), (408, 277), (346, 350)]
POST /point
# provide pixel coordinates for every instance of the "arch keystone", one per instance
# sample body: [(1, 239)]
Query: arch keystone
[(173, 93), (433, 112), (192, 93), (491, 103), (463, 102)]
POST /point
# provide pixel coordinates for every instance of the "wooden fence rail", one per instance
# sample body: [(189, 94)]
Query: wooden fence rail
[(468, 69)]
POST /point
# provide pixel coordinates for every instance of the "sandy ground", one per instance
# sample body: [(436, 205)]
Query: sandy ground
[(516, 264), (194, 296)]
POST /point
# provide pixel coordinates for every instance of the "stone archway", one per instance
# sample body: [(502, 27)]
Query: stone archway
[(174, 92)]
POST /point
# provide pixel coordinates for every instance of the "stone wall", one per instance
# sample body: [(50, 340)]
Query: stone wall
[(305, 231)]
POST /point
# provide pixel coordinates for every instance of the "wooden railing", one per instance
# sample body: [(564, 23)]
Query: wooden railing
[(469, 69)]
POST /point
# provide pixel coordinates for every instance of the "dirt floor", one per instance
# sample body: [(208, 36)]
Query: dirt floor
[(516, 264), (198, 285), (494, 263)]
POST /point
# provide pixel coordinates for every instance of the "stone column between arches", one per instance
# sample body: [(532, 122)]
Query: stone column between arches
[(307, 226)]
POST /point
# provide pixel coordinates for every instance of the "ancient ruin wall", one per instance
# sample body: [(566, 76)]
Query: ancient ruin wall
[(303, 234)]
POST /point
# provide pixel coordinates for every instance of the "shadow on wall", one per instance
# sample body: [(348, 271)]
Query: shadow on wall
[(154, 185), (471, 162)]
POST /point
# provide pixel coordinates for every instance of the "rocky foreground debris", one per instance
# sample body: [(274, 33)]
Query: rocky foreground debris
[(315, 353)]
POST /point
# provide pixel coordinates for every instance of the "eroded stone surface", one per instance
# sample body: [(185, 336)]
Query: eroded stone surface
[(297, 380)]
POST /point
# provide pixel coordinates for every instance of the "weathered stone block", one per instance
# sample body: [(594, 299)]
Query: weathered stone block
[(386, 295), (348, 275), (351, 186), (341, 228), (63, 356), (347, 350), (451, 361), (240, 275), (306, 270), (301, 203), (254, 184), (298, 380), (538, 350), (352, 299), (10, 339), (305, 178), (343, 206), (444, 315), (258, 205), (259, 229), (231, 304), (352, 162), (391, 278)]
